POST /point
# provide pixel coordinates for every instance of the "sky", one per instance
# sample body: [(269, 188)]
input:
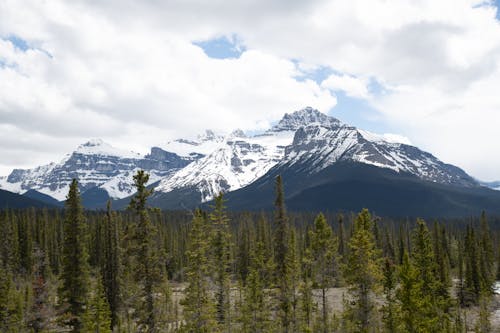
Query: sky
[(141, 73)]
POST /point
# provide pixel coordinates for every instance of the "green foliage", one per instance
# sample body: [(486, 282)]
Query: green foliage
[(147, 272), (97, 316), (282, 258), (408, 296), (483, 323), (256, 306), (204, 274), (323, 250), (11, 311), (112, 267), (390, 310), (222, 262), (362, 273), (75, 266), (199, 306)]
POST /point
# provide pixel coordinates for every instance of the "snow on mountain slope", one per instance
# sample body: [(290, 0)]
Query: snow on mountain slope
[(202, 145), (100, 148), (235, 161), (318, 146), (211, 163), (308, 137), (95, 164)]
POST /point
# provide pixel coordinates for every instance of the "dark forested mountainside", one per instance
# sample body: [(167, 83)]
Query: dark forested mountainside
[(14, 200), (144, 270)]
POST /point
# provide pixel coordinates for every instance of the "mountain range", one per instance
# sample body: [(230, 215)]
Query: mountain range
[(326, 165)]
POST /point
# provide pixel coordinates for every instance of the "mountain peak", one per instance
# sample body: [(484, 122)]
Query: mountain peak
[(94, 142), (209, 135), (306, 116), (238, 133), (97, 146)]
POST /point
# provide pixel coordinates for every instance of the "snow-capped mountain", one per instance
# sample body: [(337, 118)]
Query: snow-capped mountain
[(319, 145), (308, 136), (191, 171), (233, 162), (95, 164)]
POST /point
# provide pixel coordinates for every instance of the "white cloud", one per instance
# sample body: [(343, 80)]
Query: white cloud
[(352, 86), (89, 75), (127, 70)]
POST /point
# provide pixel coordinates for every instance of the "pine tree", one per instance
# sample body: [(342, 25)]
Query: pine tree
[(147, 263), (433, 294), (75, 269), (341, 249), (390, 309), (112, 264), (408, 296), (97, 316), (42, 310), (282, 258), (199, 306), (442, 261), (461, 278), (472, 281), (308, 306), (362, 273), (483, 323), (323, 251), (11, 312), (295, 279), (486, 256), (256, 307), (222, 245)]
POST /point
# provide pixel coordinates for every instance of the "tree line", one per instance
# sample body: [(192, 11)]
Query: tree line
[(144, 270)]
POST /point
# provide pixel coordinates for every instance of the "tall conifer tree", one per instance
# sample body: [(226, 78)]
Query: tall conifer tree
[(147, 263), (75, 270), (282, 258), (324, 255), (199, 306), (112, 264), (221, 246), (362, 273)]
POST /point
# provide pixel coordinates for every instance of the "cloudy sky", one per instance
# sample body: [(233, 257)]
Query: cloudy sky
[(140, 73)]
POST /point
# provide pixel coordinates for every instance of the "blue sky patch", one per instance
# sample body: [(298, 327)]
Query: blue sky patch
[(19, 43), (351, 110), (357, 112), (222, 47)]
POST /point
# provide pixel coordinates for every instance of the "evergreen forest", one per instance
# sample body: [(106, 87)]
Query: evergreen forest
[(212, 270)]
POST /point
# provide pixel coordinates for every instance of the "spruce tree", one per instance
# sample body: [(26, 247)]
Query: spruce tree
[(11, 312), (323, 251), (486, 256), (147, 263), (390, 310), (97, 316), (221, 247), (112, 264), (409, 297), (432, 294), (363, 274), (256, 308), (472, 281), (42, 310), (75, 266), (483, 323), (341, 232), (295, 279), (307, 303), (199, 306), (282, 258)]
